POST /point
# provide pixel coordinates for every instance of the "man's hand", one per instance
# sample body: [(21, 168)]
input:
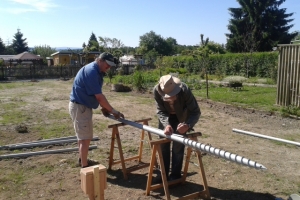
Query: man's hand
[(168, 130), (182, 128), (117, 114), (105, 112)]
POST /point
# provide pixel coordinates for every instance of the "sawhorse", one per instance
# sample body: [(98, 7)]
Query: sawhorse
[(157, 149), (122, 160)]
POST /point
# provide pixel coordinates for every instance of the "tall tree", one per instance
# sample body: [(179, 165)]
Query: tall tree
[(110, 44), (44, 51), (2, 47), (155, 43), (203, 42), (19, 44), (258, 25), (92, 40), (171, 45), (83, 45)]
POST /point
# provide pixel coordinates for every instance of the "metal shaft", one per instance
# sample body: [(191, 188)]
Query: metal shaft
[(46, 143), (195, 145), (19, 155), (266, 137)]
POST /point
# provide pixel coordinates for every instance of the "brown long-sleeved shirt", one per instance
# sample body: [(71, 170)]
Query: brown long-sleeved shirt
[(186, 107)]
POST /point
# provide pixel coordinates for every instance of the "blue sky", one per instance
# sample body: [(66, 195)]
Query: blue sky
[(69, 23)]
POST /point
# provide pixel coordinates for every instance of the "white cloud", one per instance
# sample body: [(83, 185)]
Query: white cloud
[(19, 10), (31, 6)]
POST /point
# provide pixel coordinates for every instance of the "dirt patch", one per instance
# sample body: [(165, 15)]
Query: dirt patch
[(56, 176)]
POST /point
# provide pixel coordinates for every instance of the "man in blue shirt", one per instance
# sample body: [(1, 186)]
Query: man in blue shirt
[(86, 95)]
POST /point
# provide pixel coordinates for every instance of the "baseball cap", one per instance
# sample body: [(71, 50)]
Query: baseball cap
[(110, 60)]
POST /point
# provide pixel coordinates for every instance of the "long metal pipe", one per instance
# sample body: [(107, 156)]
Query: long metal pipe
[(266, 137), (38, 144), (195, 145), (18, 155), (39, 141), (47, 140)]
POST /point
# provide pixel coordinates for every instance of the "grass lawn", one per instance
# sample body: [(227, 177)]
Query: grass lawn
[(262, 98)]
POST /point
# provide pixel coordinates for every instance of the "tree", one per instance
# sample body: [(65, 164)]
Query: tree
[(19, 44), (155, 43), (296, 39), (94, 46), (151, 56), (203, 42), (83, 45), (2, 47), (9, 50), (258, 26), (110, 44), (92, 40), (186, 49), (43, 51), (171, 45)]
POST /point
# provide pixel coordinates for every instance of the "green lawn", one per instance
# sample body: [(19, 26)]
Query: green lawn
[(263, 98)]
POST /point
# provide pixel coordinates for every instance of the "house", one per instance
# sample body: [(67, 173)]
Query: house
[(132, 60), (72, 58), (24, 59)]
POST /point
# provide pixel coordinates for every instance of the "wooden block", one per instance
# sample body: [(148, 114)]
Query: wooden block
[(87, 179)]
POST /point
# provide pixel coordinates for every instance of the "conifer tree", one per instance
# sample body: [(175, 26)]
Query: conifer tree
[(92, 40), (258, 25), (2, 47), (19, 45)]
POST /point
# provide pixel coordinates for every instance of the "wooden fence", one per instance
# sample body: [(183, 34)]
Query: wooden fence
[(288, 78), (37, 72)]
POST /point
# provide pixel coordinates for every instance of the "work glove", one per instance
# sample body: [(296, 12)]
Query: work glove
[(105, 112), (117, 114)]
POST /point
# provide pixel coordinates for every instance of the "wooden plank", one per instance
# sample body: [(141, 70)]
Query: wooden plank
[(293, 76), (297, 77), (121, 155), (112, 146), (279, 66), (125, 159), (96, 183)]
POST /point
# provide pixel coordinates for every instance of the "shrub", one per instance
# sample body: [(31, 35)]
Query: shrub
[(138, 81)]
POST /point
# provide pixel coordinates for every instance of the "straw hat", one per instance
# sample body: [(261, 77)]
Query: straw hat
[(169, 86)]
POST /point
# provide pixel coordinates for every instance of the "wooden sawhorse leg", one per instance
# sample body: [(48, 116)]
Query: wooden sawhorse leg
[(157, 149), (122, 160), (205, 193)]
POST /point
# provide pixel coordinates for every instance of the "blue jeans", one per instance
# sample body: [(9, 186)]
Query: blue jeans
[(177, 151)]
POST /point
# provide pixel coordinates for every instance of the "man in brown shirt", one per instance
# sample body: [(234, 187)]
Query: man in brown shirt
[(177, 111)]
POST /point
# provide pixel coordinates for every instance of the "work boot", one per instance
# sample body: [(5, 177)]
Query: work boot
[(89, 161), (174, 177), (158, 179)]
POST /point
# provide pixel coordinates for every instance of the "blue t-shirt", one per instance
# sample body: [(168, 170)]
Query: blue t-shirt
[(87, 83)]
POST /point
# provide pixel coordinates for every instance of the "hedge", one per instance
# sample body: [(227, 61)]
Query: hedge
[(262, 64)]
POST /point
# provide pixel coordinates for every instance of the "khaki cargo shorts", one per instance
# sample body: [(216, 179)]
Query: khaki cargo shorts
[(82, 120)]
